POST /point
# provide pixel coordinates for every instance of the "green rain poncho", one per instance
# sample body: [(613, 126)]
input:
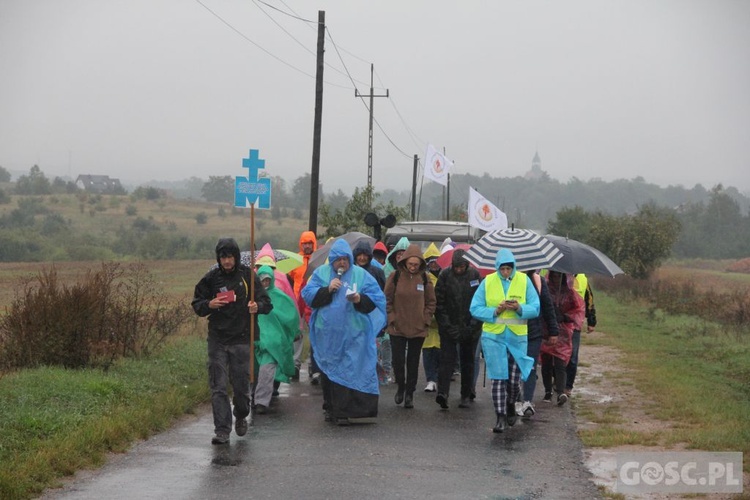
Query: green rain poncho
[(277, 330), (390, 261)]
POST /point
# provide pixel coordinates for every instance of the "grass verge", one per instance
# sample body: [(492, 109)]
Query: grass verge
[(694, 374), (56, 421)]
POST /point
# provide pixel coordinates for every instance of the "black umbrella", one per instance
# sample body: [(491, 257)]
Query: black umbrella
[(580, 258), (319, 256)]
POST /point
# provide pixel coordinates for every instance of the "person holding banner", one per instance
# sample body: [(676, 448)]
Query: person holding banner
[(223, 295)]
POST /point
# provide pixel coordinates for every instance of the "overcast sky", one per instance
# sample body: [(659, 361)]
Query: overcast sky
[(169, 89)]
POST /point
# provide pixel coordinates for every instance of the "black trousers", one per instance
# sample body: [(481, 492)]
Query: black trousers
[(553, 367), (449, 350), (405, 353)]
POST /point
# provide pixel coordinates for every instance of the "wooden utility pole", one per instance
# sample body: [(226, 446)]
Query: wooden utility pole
[(315, 172), (369, 145)]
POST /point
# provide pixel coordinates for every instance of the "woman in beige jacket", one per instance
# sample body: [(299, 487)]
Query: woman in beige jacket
[(410, 304)]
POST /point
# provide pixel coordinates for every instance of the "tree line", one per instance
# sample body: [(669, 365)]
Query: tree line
[(698, 223)]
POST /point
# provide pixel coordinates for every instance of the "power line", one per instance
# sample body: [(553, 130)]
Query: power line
[(246, 38), (256, 2)]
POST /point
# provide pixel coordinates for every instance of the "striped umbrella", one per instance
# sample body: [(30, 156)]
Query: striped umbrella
[(531, 250)]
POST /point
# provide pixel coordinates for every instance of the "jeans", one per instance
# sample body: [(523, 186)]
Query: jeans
[(431, 362), (533, 348), (228, 364), (572, 367), (406, 353)]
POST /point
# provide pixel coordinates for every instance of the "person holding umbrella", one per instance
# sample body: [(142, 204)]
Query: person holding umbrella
[(569, 312), (504, 302), (223, 295)]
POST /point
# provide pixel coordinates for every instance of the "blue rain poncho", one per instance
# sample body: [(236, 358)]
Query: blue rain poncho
[(497, 346), (342, 338)]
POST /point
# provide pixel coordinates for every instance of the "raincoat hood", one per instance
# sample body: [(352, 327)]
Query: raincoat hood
[(380, 247), (308, 237), (505, 256), (446, 245), (402, 244), (458, 257), (228, 246), (265, 256), (432, 253), (412, 250), (340, 248), (362, 247), (267, 272)]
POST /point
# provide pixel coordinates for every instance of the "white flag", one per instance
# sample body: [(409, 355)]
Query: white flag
[(436, 166), (483, 214)]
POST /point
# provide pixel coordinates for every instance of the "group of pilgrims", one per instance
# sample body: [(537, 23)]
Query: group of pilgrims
[(373, 313)]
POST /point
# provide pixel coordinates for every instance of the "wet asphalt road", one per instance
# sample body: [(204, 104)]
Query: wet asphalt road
[(291, 452)]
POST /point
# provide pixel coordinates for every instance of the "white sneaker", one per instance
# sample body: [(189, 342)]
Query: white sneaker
[(527, 409), (519, 409), (431, 387)]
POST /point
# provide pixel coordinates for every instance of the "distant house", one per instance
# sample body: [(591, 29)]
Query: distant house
[(99, 184)]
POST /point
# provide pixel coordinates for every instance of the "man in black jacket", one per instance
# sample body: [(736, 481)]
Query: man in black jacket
[(457, 328), (223, 295)]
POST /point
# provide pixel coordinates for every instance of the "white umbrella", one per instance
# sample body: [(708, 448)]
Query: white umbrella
[(531, 250)]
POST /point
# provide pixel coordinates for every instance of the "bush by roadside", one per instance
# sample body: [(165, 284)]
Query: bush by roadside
[(117, 311)]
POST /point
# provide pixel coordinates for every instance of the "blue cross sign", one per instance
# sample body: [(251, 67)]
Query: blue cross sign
[(252, 190)]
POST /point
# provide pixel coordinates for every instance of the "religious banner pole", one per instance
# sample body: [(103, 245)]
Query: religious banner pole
[(249, 191), (252, 292)]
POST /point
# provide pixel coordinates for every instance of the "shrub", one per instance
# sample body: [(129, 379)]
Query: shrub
[(201, 218), (113, 312)]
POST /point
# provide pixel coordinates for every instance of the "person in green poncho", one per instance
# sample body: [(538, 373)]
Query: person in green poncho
[(274, 352)]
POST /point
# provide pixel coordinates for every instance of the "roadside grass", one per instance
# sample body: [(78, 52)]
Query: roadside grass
[(695, 374), (57, 421)]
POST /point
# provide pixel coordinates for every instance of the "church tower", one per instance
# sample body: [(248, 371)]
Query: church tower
[(536, 171)]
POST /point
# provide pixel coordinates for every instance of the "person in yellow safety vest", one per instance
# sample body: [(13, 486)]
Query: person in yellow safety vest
[(583, 287), (431, 346), (504, 302)]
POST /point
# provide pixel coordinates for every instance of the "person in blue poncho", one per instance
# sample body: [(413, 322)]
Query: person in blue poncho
[(504, 301), (348, 312)]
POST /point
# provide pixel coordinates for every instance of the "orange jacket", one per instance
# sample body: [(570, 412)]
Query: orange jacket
[(298, 274)]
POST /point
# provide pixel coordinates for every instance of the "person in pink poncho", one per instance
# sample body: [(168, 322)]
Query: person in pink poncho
[(570, 312)]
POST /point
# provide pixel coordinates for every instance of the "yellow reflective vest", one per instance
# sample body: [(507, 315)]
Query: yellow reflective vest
[(581, 282), (494, 294)]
